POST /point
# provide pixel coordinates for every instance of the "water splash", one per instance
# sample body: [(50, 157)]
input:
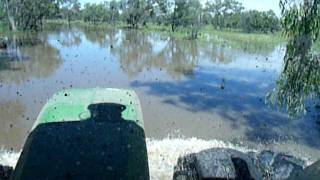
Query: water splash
[(8, 158), (163, 154)]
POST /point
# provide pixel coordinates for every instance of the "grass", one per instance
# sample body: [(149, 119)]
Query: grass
[(235, 35), (226, 34), (252, 42), (163, 31), (249, 42)]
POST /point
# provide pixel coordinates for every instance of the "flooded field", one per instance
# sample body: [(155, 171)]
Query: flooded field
[(210, 90)]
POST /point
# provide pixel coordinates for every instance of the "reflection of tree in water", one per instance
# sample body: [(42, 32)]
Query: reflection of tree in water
[(134, 52), (28, 59), (15, 42), (112, 36), (218, 53), (68, 38), (97, 36), (179, 57), (137, 52), (11, 128), (102, 36)]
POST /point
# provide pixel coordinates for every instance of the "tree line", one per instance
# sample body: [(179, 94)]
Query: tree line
[(190, 14)]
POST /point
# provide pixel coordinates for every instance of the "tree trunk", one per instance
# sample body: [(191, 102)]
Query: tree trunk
[(10, 17), (69, 21), (41, 24), (172, 25)]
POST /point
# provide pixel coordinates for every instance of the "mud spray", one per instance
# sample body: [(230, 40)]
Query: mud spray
[(162, 154)]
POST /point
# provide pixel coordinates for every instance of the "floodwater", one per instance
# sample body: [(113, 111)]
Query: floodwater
[(211, 90)]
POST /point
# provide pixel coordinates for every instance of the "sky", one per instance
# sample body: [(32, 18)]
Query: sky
[(261, 5)]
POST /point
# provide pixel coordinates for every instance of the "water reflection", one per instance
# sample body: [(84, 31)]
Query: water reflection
[(99, 36), (204, 89), (69, 38), (138, 52), (180, 58), (28, 55), (219, 53)]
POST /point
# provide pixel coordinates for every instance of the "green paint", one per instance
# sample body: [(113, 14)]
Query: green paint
[(67, 142), (72, 105)]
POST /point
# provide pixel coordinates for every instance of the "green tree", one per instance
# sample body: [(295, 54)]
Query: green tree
[(178, 14), (95, 13), (194, 18), (133, 11), (162, 11), (251, 21), (272, 22), (2, 13), (149, 12), (10, 7), (257, 21), (70, 10), (2, 17), (114, 7), (300, 78), (223, 11), (28, 14), (187, 14)]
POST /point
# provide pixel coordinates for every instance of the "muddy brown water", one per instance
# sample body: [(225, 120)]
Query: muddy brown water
[(205, 89)]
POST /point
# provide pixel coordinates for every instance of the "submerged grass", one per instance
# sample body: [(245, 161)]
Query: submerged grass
[(233, 38), (164, 31), (235, 35), (179, 33), (59, 23), (249, 42), (224, 33)]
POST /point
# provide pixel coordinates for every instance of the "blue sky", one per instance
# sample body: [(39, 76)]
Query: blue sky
[(262, 5)]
